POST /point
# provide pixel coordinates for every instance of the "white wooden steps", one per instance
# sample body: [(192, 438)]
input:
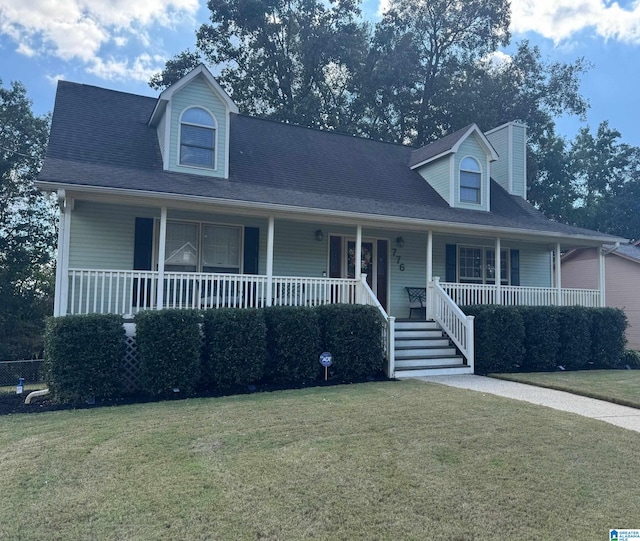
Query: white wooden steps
[(423, 349)]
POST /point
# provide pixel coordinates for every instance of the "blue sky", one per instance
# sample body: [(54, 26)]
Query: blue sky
[(119, 44)]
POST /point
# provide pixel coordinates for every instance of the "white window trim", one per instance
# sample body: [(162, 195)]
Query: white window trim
[(483, 265), (200, 224), (215, 138), (481, 190)]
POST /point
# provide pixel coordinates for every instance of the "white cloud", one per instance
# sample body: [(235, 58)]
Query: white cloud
[(140, 69), (560, 20), (78, 30), (53, 79)]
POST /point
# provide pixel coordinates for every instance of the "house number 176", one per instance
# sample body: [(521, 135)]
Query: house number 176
[(398, 259)]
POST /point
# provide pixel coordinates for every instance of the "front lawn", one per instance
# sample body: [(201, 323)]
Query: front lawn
[(618, 386), (384, 460)]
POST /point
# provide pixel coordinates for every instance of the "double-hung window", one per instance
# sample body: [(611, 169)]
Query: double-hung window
[(477, 265), (202, 247), (470, 181), (198, 138)]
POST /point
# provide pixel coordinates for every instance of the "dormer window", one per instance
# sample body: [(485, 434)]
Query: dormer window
[(470, 181), (198, 138)]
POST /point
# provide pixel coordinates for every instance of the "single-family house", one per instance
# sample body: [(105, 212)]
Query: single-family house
[(620, 266), (181, 201)]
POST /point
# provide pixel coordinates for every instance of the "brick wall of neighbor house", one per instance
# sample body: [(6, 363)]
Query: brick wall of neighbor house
[(622, 277), (581, 270)]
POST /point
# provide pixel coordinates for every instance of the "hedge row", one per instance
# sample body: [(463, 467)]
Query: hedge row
[(542, 338), (191, 350)]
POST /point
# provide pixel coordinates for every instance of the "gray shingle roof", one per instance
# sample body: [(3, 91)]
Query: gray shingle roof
[(445, 144), (101, 138), (629, 250)]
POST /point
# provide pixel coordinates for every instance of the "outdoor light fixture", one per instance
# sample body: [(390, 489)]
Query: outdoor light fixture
[(400, 242), (319, 235)]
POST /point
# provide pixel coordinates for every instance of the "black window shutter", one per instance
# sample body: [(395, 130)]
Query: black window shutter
[(451, 270), (143, 244), (251, 249), (515, 267), (335, 257)]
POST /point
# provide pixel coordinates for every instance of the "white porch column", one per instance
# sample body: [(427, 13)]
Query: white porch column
[(558, 275), (498, 272), (358, 258), (270, 237), (61, 296), (162, 245), (428, 314), (601, 276)]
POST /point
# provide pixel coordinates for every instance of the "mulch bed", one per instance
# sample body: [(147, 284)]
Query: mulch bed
[(11, 403)]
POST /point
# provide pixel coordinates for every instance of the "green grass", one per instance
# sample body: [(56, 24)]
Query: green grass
[(618, 386), (386, 460)]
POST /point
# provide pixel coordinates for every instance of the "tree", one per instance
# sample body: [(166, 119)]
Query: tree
[(605, 174), (288, 60), (27, 230), (419, 50)]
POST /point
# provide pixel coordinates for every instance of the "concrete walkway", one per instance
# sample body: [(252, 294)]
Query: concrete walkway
[(622, 416)]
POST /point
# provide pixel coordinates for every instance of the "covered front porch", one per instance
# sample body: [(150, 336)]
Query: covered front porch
[(116, 258)]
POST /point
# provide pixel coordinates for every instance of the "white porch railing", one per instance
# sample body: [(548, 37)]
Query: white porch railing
[(128, 292), (366, 296), (452, 319), (467, 294)]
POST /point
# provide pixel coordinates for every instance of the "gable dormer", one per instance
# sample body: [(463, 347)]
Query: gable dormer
[(510, 170), (192, 119), (458, 167)]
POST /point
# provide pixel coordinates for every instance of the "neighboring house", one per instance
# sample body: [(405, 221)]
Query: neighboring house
[(180, 201), (621, 269)]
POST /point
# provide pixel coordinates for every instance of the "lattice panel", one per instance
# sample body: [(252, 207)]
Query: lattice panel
[(131, 366)]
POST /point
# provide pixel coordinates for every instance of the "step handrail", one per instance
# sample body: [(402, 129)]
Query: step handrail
[(457, 325)]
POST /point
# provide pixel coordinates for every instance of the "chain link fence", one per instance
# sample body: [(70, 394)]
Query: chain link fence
[(12, 371)]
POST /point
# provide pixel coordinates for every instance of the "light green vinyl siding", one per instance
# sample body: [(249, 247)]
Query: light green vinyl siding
[(102, 236), (473, 148), (198, 93), (500, 168), (509, 142), (535, 262), (438, 175), (519, 161), (162, 128)]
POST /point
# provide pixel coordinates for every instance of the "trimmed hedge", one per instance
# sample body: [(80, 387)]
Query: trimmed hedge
[(499, 338), (234, 347), (541, 338), (83, 357), (353, 335), (608, 339), (574, 337), (169, 350), (293, 344)]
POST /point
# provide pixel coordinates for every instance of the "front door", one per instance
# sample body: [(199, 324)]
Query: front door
[(373, 263)]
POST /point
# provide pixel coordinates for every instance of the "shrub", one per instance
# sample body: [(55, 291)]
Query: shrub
[(608, 339), (541, 338), (83, 356), (574, 337), (353, 335), (631, 359), (293, 344), (234, 346), (498, 338), (169, 350)]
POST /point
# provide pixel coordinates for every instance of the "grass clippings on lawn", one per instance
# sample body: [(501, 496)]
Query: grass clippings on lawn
[(393, 460), (617, 386)]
